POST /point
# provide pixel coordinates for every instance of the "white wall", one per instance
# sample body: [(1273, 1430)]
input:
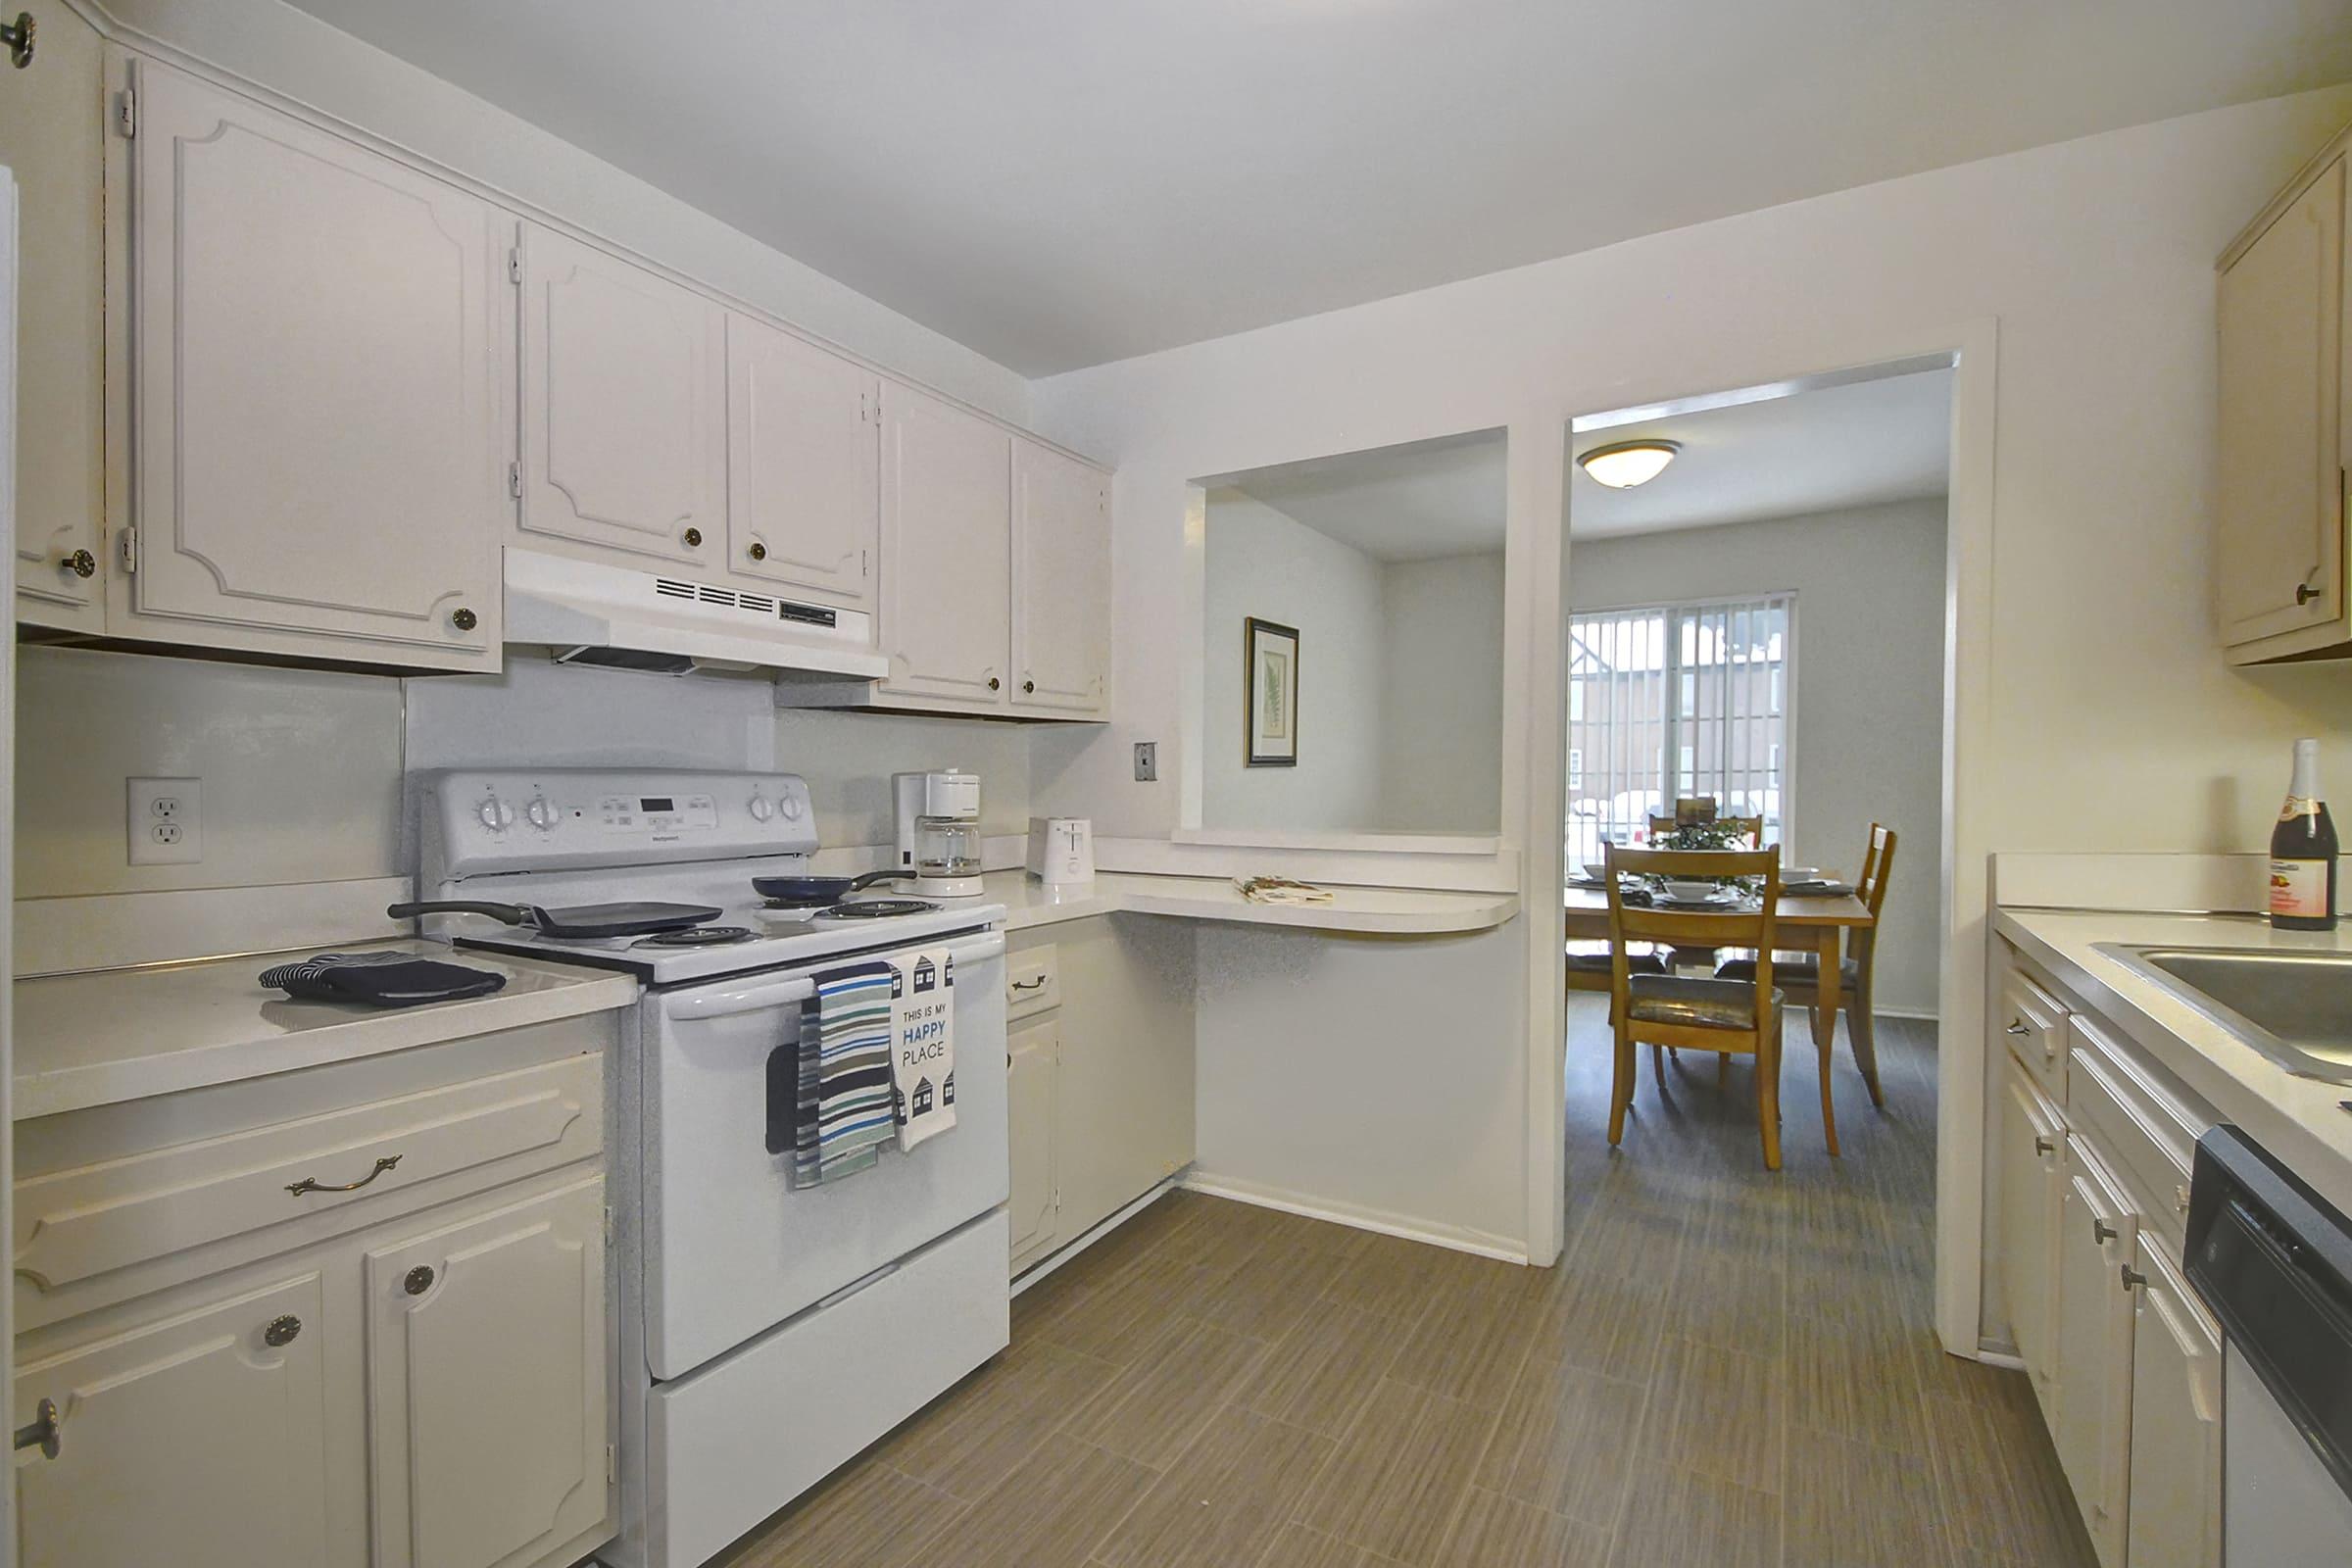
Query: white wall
[(1263, 563), (2096, 258), (1869, 682), (303, 58), (301, 770), (1441, 695)]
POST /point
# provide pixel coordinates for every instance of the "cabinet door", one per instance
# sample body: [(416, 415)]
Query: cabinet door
[(1061, 584), (2031, 1179), (488, 1385), (53, 139), (1034, 1091), (946, 550), (322, 364), (195, 1439), (803, 465), (2176, 1494), (2280, 491), (623, 406), (2097, 1235)]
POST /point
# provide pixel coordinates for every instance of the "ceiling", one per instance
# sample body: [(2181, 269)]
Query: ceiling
[(1856, 445), (1417, 502), (1060, 182)]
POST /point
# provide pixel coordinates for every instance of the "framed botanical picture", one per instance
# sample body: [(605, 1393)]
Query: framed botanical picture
[(1270, 679)]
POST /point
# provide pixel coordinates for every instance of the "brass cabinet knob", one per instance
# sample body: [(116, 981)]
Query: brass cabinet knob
[(2044, 1146), (2100, 1231), (417, 1280), (463, 620), (44, 1434), (2305, 593), (81, 563), (758, 551), (281, 1329), (692, 538), (2015, 1027), (17, 38), (995, 684), (1028, 686), (2133, 1279)]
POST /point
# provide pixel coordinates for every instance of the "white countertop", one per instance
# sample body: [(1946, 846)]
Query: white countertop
[(1399, 912), (126, 1034), (2301, 1120)]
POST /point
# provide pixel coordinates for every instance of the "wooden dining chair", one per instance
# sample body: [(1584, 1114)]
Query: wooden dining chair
[(1799, 976), (1689, 1013), (1690, 957)]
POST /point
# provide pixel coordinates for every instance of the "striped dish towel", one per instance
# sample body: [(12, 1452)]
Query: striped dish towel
[(845, 1111)]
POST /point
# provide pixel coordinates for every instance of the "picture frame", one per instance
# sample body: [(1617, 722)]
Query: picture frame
[(1269, 693)]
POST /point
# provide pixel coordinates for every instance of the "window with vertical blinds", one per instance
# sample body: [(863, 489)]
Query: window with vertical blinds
[(1675, 701)]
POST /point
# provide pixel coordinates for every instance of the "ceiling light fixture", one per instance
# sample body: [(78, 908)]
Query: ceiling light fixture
[(1622, 465)]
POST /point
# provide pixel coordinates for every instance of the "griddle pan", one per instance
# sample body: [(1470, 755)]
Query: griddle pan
[(578, 920)]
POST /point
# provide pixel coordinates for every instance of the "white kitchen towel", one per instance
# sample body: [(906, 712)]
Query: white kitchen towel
[(923, 1051)]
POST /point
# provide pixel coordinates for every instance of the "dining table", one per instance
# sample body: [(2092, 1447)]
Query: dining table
[(1814, 923)]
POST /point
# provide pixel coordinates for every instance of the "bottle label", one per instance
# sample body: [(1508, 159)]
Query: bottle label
[(2299, 889), (2298, 805)]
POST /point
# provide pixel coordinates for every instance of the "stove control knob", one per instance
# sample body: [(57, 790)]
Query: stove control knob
[(791, 804), (540, 814), (493, 811), (761, 808)]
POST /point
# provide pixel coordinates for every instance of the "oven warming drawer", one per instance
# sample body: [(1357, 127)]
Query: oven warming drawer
[(729, 1444)]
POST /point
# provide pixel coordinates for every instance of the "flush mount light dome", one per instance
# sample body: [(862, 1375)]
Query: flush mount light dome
[(1622, 465)]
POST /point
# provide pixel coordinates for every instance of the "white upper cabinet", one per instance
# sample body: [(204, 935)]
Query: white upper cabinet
[(194, 1436), (2280, 563), (52, 138), (625, 397), (1061, 584), (321, 373), (803, 465), (946, 552)]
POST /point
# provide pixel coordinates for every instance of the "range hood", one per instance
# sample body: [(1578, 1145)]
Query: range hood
[(593, 615)]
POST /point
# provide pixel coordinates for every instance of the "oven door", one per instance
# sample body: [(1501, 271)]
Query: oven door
[(731, 1248)]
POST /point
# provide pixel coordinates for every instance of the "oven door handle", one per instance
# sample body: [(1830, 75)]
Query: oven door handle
[(785, 993)]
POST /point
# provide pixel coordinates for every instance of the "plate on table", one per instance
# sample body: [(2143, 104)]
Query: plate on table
[(1720, 898)]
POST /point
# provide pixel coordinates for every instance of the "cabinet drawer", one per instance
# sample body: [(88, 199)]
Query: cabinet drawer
[(2035, 1024), (77, 1224), (1032, 982), (850, 1368), (2143, 1132)]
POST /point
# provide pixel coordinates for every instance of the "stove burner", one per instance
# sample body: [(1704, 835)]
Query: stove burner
[(700, 936), (878, 908)]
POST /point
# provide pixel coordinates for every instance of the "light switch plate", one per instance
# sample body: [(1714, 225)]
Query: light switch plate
[(1147, 762), (164, 820)]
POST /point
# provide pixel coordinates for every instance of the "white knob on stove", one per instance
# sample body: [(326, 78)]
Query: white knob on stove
[(540, 814), (496, 815), (759, 808), (791, 804)]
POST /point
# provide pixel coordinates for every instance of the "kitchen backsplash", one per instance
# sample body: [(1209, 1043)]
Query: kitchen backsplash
[(302, 768)]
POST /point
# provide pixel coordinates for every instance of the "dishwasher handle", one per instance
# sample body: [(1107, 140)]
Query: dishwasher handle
[(754, 995)]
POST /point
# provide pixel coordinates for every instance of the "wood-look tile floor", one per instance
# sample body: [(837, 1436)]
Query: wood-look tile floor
[(1730, 1368)]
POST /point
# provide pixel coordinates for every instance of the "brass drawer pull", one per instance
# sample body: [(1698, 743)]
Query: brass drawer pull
[(1029, 985), (2043, 1145), (311, 1184), (2016, 1028)]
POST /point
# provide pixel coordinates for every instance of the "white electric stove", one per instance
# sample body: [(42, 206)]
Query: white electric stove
[(767, 1333)]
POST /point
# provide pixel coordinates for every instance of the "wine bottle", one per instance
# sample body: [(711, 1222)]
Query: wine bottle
[(2303, 852)]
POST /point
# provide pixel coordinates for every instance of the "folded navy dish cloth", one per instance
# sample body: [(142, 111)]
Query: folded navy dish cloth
[(380, 979)]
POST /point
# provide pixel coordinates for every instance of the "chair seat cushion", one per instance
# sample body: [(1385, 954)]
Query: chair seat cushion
[(1695, 1004), (1799, 972), (1590, 962)]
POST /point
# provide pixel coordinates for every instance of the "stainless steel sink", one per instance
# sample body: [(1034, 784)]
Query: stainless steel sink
[(2294, 1007)]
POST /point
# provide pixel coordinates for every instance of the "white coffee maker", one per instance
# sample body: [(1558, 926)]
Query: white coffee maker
[(939, 832)]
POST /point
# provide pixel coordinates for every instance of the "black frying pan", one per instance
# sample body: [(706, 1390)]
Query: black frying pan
[(578, 920), (798, 891)]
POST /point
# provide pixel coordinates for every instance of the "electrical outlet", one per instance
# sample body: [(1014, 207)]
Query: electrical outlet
[(1147, 762), (166, 821)]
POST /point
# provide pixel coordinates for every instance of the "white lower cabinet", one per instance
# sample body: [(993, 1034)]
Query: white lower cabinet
[(192, 1436), (486, 1384), (2096, 1237), (2175, 1502), (2087, 1233), (407, 1366), (1032, 1089)]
